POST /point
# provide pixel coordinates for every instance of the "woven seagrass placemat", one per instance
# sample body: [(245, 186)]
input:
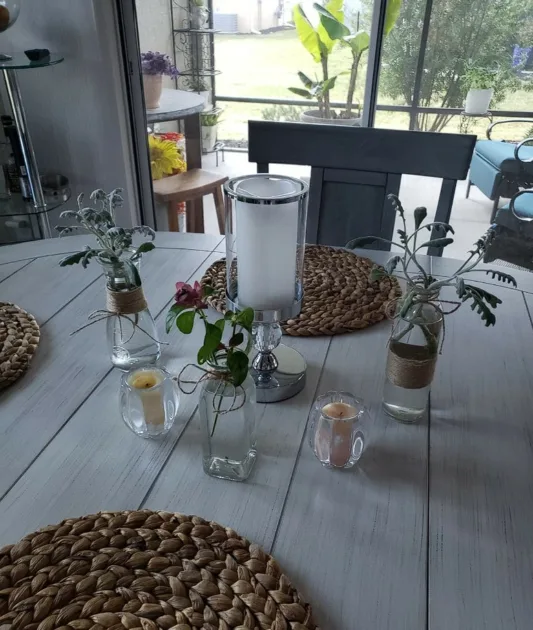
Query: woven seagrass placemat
[(145, 570), (338, 294), (19, 338)]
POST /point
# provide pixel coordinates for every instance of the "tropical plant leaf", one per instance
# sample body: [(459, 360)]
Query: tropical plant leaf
[(392, 14), (332, 24), (72, 259), (185, 322), (172, 313), (420, 215), (437, 242), (306, 32), (306, 80), (358, 42), (212, 339), (329, 84), (502, 277), (301, 92)]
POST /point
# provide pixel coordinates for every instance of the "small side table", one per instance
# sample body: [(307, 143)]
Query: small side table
[(9, 69), (463, 123)]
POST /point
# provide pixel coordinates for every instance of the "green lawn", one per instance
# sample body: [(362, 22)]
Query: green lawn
[(266, 65)]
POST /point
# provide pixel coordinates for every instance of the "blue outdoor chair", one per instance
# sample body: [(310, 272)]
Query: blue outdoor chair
[(499, 168), (513, 226)]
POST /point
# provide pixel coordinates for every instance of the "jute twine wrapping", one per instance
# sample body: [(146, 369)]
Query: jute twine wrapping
[(125, 302), (338, 294), (144, 570), (409, 366), (19, 338)]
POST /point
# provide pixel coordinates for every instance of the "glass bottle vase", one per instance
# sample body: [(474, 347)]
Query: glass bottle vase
[(411, 361), (227, 419), (131, 333)]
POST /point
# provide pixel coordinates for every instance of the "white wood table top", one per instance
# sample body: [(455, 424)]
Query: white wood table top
[(432, 530)]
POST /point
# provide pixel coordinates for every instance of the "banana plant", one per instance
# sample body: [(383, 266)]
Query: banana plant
[(314, 90), (357, 41), (318, 41)]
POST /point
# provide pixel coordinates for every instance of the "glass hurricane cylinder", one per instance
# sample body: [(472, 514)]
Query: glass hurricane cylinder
[(227, 420), (411, 361), (131, 332), (266, 219)]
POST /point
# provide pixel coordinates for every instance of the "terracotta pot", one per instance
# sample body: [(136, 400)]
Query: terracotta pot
[(153, 85), (313, 116)]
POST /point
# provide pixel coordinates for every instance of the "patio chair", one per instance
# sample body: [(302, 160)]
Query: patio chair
[(513, 225), (353, 169), (500, 168)]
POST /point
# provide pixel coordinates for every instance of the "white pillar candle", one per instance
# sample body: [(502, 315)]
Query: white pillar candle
[(266, 245), (341, 417), (144, 381)]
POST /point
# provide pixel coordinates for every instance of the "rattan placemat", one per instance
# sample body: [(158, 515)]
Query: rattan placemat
[(19, 338), (145, 570), (338, 294)]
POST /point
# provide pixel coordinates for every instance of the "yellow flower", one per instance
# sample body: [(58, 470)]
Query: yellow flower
[(165, 157)]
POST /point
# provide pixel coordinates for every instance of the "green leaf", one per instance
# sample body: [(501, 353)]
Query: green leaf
[(377, 273), (246, 318), (420, 215), (228, 315), (72, 259), (306, 32), (392, 264), (238, 366), (173, 312), (502, 277), (213, 336), (145, 247), (359, 42), (301, 92), (207, 290), (220, 323), (185, 322), (308, 83), (437, 242), (237, 339), (329, 84), (332, 24), (392, 14)]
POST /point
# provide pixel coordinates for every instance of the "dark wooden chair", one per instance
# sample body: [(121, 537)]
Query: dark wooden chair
[(353, 169)]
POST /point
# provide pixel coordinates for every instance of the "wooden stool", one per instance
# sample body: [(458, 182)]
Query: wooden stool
[(190, 186)]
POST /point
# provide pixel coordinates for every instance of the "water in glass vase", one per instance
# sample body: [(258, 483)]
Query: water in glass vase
[(227, 417), (411, 361)]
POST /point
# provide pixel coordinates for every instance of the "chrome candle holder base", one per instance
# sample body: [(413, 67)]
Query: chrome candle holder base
[(285, 380)]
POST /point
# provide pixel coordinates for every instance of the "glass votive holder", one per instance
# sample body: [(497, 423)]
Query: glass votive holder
[(149, 401), (335, 431)]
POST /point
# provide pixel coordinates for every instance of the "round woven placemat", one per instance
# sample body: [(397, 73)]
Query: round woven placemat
[(19, 338), (338, 294), (145, 570)]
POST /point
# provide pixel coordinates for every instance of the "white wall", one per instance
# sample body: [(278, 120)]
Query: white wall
[(76, 111), (155, 29)]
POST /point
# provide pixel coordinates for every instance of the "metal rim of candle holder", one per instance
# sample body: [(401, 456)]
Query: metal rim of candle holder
[(231, 189)]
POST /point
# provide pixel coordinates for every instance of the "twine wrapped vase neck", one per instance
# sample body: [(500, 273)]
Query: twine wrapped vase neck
[(126, 302)]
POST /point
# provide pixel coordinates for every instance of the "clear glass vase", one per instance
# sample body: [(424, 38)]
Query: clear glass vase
[(227, 419), (131, 336), (411, 361)]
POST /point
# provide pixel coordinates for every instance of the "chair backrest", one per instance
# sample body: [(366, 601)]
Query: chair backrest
[(353, 169)]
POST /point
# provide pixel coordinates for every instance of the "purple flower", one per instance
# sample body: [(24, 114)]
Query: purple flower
[(189, 296), (158, 63)]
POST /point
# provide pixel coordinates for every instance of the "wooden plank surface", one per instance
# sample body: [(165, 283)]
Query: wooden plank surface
[(95, 462), (66, 369), (481, 472), (8, 269), (254, 507), (67, 244), (355, 541)]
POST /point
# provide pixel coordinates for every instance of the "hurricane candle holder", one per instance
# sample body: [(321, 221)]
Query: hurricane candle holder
[(266, 218)]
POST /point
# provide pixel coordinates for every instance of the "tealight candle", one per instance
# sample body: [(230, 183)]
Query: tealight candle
[(149, 401), (146, 382), (335, 429)]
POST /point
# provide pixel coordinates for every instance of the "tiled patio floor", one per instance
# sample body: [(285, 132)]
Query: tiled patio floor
[(470, 217)]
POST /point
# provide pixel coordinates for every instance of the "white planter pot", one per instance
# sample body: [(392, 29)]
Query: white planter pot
[(153, 85), (313, 116), (478, 101), (209, 138)]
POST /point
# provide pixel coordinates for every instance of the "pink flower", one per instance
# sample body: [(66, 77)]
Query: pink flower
[(189, 296)]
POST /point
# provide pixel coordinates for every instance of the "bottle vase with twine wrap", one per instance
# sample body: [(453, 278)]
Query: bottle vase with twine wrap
[(411, 360), (131, 331)]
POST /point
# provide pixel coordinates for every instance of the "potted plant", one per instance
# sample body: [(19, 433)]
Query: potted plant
[(318, 32), (154, 65), (480, 83), (209, 122)]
